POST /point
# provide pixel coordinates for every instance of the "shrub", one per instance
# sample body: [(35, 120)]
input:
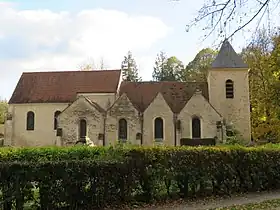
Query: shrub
[(233, 136), (121, 175), (51, 153)]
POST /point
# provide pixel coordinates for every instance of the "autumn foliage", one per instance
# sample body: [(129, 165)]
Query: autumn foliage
[(262, 56)]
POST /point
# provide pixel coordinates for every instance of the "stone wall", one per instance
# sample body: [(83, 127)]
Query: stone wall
[(69, 121), (236, 110), (122, 108), (104, 122), (43, 133), (198, 106), (158, 108), (105, 100)]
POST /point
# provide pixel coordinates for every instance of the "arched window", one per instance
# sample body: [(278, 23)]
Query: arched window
[(229, 89), (83, 128), (55, 119), (122, 129), (196, 127), (30, 121), (158, 126)]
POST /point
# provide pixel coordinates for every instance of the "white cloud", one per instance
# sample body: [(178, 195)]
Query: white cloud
[(38, 40)]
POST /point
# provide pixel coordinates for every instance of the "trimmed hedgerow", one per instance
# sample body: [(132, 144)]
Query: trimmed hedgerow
[(51, 153), (114, 176)]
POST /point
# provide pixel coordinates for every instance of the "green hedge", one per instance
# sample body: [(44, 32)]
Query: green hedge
[(108, 176), (50, 153)]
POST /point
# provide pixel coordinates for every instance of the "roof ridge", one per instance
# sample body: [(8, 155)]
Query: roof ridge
[(158, 82), (61, 71), (119, 98), (52, 87), (96, 105)]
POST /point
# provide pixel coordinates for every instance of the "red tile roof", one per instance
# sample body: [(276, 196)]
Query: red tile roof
[(62, 87), (176, 94)]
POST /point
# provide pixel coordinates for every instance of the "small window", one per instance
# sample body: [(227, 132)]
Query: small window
[(83, 128), (158, 126), (229, 133), (138, 136), (229, 89), (55, 119), (30, 121), (122, 129), (196, 127), (100, 136), (59, 132)]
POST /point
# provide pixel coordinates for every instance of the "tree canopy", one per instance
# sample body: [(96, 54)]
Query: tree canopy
[(196, 70), (172, 69), (3, 111), (168, 69), (262, 56), (129, 68)]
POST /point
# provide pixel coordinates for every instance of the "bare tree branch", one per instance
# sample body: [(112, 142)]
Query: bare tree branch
[(248, 22), (212, 13), (224, 12), (220, 18), (91, 65)]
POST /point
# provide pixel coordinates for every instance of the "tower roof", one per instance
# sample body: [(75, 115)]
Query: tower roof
[(228, 58)]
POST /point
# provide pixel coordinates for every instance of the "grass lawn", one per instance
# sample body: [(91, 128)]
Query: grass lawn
[(271, 204)]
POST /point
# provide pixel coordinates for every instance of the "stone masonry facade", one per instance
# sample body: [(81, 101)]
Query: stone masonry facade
[(63, 108)]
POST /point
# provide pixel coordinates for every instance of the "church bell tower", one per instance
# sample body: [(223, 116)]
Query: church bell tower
[(228, 85)]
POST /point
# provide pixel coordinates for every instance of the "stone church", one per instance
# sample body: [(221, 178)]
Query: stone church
[(63, 108)]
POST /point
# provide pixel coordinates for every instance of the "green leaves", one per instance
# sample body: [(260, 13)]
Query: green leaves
[(168, 69), (50, 154), (172, 69), (129, 69), (196, 70), (263, 60), (83, 177), (3, 111)]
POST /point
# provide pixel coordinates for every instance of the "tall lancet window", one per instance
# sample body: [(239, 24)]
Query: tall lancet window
[(30, 121), (158, 128), (196, 127), (122, 129)]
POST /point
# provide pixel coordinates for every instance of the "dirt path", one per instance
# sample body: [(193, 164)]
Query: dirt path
[(217, 203)]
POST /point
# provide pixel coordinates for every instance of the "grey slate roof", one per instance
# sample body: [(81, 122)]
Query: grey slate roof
[(228, 58)]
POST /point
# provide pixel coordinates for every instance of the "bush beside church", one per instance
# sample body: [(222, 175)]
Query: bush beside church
[(93, 177)]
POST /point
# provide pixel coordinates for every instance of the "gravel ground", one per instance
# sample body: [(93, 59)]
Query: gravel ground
[(217, 203)]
